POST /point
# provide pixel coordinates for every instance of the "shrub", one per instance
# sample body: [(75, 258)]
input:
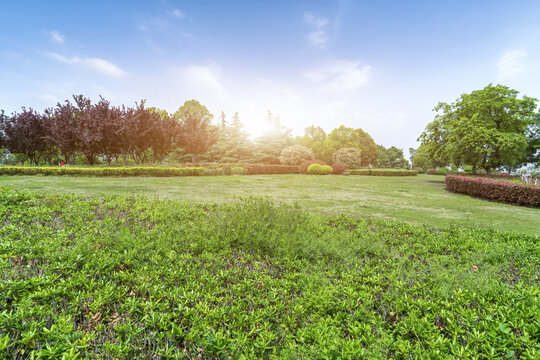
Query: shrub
[(302, 169), (254, 169), (295, 155), (441, 171), (318, 169), (432, 172), (351, 158), (104, 171), (239, 170), (419, 170), (338, 169), (384, 172), (501, 191)]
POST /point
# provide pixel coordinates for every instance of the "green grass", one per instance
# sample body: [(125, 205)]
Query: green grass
[(124, 277), (417, 200)]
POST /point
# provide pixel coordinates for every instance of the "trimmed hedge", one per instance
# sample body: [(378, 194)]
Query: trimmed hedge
[(383, 172), (318, 169), (270, 169), (501, 191), (302, 168), (338, 168), (104, 171)]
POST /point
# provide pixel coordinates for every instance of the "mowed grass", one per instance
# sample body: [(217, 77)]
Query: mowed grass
[(420, 200)]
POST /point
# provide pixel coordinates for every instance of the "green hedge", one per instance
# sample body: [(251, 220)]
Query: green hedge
[(104, 171), (383, 172), (318, 169)]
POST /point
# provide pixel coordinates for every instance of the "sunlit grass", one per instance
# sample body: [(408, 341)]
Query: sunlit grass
[(420, 199)]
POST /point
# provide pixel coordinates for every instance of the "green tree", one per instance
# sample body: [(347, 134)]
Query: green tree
[(486, 128), (345, 137), (196, 134), (232, 144), (314, 137), (391, 158), (422, 158)]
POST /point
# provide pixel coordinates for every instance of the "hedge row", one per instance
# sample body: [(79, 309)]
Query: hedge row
[(501, 191), (384, 172), (105, 171), (270, 169)]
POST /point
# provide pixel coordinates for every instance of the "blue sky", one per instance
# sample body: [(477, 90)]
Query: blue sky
[(378, 65)]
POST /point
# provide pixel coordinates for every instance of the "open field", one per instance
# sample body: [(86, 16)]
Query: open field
[(418, 199), (124, 277)]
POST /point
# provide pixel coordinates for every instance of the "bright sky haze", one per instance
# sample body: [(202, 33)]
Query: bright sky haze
[(377, 65)]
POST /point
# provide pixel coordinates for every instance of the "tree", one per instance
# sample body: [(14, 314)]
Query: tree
[(232, 143), (63, 124), (314, 137), (26, 134), (345, 137), (391, 158), (164, 134), (295, 155), (351, 158), (533, 142), (486, 128), (269, 146), (197, 134), (422, 158)]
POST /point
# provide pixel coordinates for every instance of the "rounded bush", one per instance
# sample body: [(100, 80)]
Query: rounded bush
[(302, 169), (318, 169), (351, 158), (338, 169), (295, 155)]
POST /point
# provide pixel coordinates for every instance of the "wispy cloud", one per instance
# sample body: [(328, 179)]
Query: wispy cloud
[(205, 77), (318, 36), (511, 64), (56, 37), (340, 76), (177, 14), (96, 64)]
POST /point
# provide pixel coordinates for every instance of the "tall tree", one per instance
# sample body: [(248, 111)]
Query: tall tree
[(314, 138), (486, 128), (391, 158), (345, 137), (26, 134), (197, 134), (164, 135), (232, 143)]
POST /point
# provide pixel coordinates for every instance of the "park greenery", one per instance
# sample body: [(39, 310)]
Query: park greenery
[(111, 257), (125, 277)]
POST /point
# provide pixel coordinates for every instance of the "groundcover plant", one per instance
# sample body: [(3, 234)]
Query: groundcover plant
[(126, 277)]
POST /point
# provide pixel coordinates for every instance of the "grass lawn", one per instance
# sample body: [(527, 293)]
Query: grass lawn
[(128, 278), (418, 199)]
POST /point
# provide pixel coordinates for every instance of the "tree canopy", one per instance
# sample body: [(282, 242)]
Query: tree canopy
[(486, 128)]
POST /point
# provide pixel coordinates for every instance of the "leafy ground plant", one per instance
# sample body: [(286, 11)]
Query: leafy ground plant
[(125, 277)]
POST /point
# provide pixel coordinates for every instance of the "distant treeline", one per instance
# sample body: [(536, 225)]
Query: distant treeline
[(82, 132)]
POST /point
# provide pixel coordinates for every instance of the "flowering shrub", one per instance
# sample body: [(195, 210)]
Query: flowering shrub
[(432, 172), (502, 191), (295, 155), (270, 169), (302, 169), (318, 169), (384, 172), (350, 157), (338, 169)]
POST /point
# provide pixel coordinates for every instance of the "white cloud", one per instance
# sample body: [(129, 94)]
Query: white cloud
[(56, 37), (340, 76), (318, 36), (177, 14), (100, 65), (205, 77), (511, 64)]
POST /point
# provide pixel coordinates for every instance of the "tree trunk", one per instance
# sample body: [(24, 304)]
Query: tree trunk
[(488, 172), (474, 169)]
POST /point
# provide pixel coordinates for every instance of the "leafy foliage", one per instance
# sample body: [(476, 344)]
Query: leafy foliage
[(391, 158), (317, 169), (486, 128), (338, 169), (302, 168), (351, 158), (103, 171), (490, 189), (383, 172), (295, 155), (344, 137), (124, 277)]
